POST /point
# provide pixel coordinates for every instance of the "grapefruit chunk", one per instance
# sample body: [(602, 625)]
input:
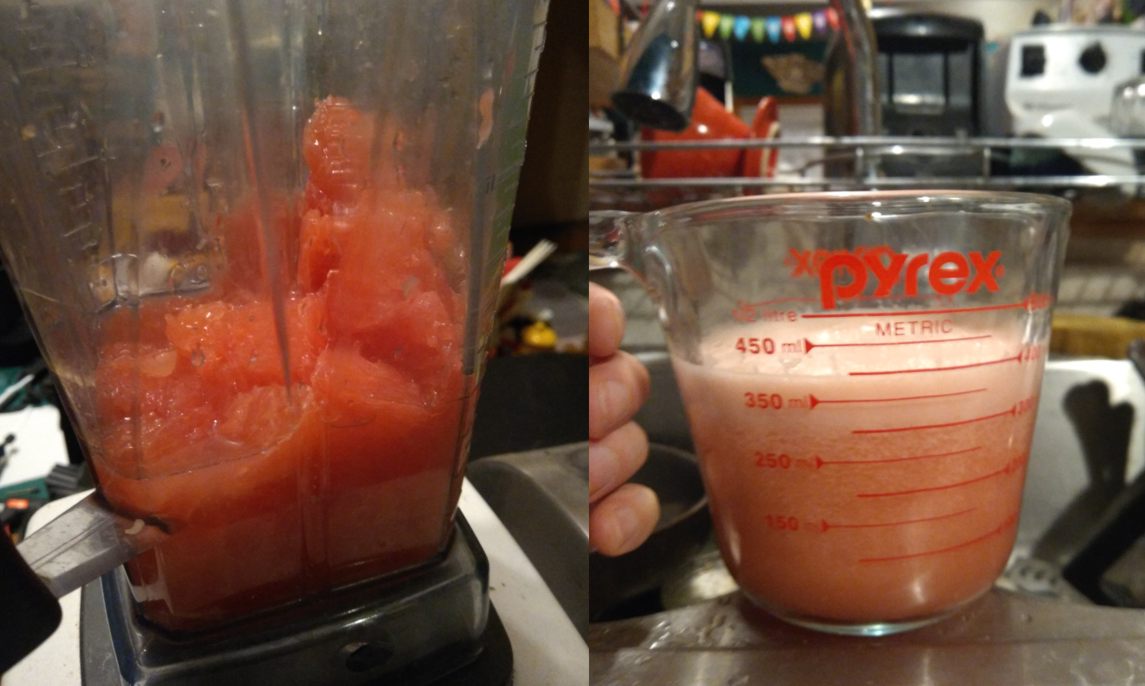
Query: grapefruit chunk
[(235, 345), (336, 146), (353, 391), (263, 416)]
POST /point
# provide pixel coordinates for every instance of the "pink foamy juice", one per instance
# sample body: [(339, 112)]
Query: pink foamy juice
[(863, 474)]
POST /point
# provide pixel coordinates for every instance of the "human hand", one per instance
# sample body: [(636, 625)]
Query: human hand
[(621, 515)]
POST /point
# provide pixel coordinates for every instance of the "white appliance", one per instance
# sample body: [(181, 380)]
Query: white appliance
[(1060, 81)]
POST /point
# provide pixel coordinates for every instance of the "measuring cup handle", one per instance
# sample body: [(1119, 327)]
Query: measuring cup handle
[(610, 239)]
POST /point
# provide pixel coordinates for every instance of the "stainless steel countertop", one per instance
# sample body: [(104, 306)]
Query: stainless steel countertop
[(1003, 638)]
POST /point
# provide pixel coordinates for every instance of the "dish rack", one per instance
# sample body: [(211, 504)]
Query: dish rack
[(1105, 264), (865, 155)]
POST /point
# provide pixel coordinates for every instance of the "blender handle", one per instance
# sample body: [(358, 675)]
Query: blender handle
[(79, 546), (85, 542), (30, 612)]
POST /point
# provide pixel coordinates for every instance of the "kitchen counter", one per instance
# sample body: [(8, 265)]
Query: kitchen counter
[(1004, 638)]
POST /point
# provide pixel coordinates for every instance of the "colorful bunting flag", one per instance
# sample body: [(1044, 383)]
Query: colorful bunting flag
[(789, 28), (740, 27), (773, 28), (820, 20), (710, 23), (757, 29), (803, 24), (726, 22), (832, 18)]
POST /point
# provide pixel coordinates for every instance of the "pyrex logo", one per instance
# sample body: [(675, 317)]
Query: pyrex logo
[(844, 274)]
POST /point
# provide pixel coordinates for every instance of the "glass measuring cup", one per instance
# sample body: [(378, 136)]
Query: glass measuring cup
[(861, 373), (260, 242)]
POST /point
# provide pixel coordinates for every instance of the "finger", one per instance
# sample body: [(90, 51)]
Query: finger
[(617, 388), (623, 520), (614, 459), (605, 322)]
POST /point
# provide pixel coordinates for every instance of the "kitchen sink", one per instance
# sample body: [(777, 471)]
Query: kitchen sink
[(1050, 619)]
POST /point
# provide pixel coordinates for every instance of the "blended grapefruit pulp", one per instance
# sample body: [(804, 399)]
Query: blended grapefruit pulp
[(273, 490), (857, 485)]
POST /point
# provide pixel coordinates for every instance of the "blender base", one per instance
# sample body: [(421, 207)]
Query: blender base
[(431, 626)]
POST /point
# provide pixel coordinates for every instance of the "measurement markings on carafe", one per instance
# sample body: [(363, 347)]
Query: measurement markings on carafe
[(762, 400), (784, 461), (925, 329), (1030, 304), (815, 401), (824, 525), (771, 311), (813, 527), (1006, 524), (1012, 466), (809, 345), (786, 523), (817, 526), (1017, 409)]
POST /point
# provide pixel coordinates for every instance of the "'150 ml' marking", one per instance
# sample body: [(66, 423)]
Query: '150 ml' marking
[(784, 462)]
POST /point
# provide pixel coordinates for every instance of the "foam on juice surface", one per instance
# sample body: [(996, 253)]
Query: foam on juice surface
[(863, 483)]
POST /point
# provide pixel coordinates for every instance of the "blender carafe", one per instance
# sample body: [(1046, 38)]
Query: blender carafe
[(259, 242)]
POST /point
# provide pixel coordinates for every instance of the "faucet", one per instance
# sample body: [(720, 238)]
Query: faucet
[(851, 98), (857, 38), (659, 76), (659, 68)]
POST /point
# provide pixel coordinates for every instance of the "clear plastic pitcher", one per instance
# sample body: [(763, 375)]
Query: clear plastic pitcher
[(861, 373), (260, 243)]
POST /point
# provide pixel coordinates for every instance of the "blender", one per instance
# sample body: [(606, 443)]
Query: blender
[(259, 242)]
